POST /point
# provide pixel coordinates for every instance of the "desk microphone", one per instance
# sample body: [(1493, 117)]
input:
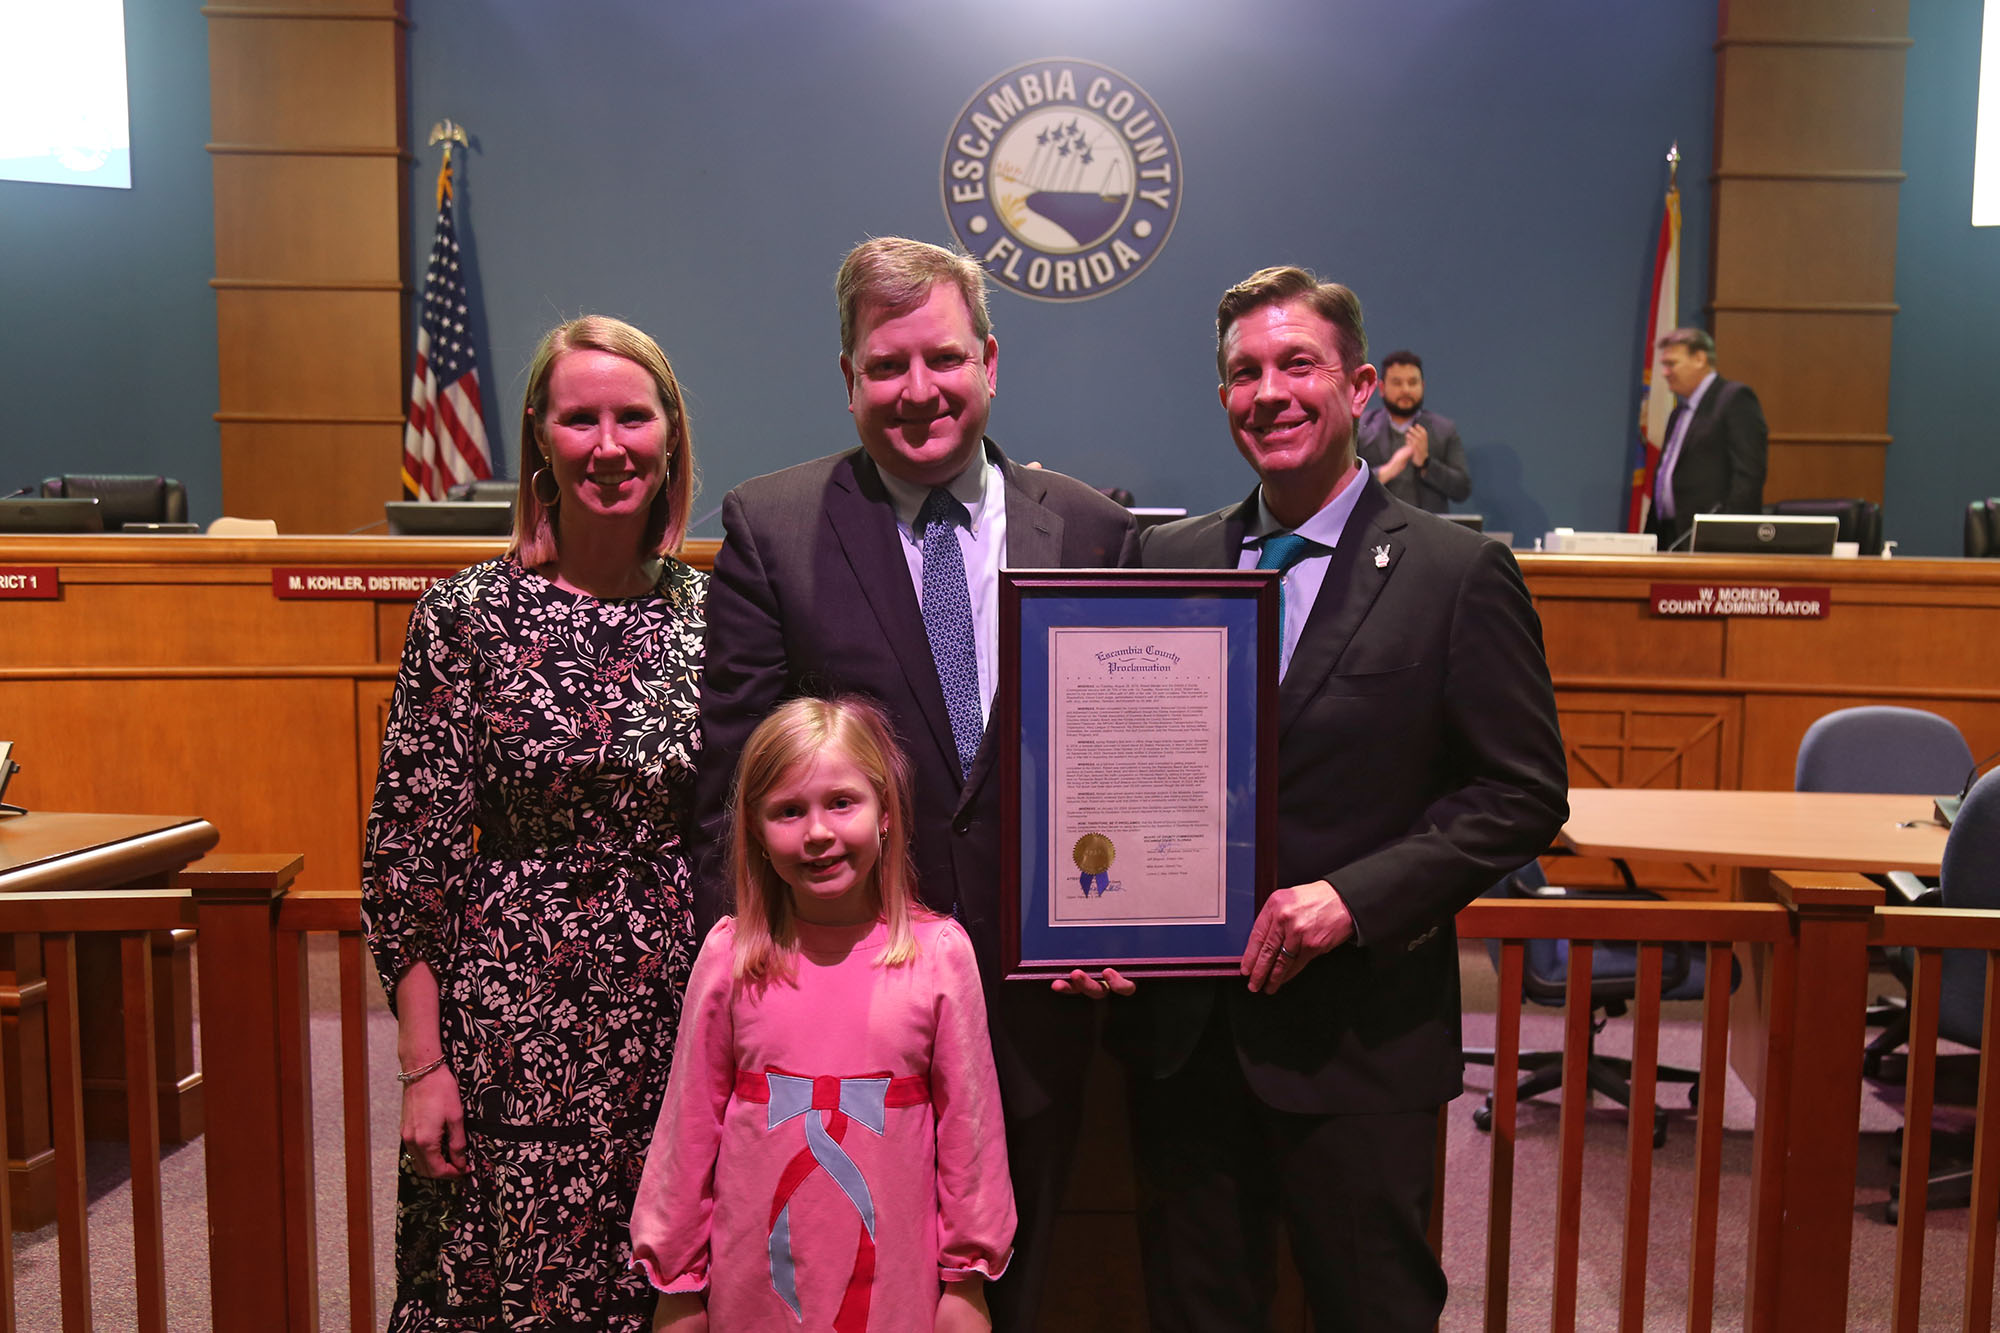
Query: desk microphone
[(1946, 807), (25, 490)]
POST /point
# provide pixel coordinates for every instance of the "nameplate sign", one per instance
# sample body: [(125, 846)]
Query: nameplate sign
[(1771, 601), (355, 585), (25, 581)]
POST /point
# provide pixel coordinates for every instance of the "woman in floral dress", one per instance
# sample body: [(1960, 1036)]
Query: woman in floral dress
[(524, 883)]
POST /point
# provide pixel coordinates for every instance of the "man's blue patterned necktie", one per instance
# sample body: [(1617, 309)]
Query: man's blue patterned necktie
[(948, 619)]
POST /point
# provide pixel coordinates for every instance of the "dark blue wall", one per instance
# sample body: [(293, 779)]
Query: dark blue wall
[(107, 322), (1947, 345), (1487, 175)]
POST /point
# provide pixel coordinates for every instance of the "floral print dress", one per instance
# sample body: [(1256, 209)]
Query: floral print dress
[(526, 842)]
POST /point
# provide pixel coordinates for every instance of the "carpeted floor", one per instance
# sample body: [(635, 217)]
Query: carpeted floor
[(1465, 1191)]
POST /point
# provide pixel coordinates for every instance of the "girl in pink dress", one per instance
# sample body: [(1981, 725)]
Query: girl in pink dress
[(831, 1153)]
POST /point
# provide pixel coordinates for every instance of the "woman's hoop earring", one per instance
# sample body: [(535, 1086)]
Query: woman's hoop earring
[(535, 485)]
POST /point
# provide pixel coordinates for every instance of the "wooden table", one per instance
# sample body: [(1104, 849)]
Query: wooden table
[(45, 853), (1756, 830)]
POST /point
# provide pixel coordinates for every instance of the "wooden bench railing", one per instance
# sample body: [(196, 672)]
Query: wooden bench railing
[(1810, 951)]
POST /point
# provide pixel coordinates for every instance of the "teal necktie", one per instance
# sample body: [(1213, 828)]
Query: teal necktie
[(1282, 550)]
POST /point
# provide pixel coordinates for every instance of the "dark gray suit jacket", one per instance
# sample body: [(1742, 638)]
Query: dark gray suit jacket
[(1444, 479), (1721, 465), (811, 594), (1418, 761)]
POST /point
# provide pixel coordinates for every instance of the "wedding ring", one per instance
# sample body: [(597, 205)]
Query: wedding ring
[(1283, 952)]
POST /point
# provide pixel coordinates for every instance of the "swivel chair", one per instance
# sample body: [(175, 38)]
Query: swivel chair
[(1904, 751), (1982, 528), (1614, 983), (1860, 520), (1966, 881), (123, 498)]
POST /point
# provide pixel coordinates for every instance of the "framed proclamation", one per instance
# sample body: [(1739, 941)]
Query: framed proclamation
[(1137, 715)]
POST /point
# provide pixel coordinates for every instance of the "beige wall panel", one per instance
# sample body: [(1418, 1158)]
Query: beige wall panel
[(1898, 645), (310, 353), (1814, 374), (1773, 726), (311, 478), (259, 759), (308, 219), (1815, 18), (1810, 108), (318, 83), (218, 624), (1814, 471), (1590, 637), (1805, 241)]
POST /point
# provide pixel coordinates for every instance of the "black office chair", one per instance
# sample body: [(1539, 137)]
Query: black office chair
[(1982, 528), (498, 488), (123, 498), (1966, 881), (1860, 520), (1614, 981)]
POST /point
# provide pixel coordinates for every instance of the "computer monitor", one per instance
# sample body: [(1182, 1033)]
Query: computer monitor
[(64, 514), (457, 518), (1764, 534), (1474, 521)]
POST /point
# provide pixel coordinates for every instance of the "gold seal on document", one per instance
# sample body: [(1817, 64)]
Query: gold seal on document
[(1094, 853)]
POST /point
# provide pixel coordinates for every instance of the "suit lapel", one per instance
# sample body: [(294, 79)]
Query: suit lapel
[(864, 522), (1034, 541), (1370, 547)]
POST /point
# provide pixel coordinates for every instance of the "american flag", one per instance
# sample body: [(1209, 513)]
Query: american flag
[(444, 439)]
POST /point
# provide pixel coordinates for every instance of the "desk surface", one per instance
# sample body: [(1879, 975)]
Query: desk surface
[(1774, 830), (43, 851)]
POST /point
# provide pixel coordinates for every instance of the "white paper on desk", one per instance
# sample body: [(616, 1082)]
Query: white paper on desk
[(1138, 732)]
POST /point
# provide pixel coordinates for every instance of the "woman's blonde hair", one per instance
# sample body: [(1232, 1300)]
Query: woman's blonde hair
[(536, 526), (798, 733)]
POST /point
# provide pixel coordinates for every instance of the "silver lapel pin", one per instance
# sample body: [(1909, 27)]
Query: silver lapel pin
[(1382, 556)]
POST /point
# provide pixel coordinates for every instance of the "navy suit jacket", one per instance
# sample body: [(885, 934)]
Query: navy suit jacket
[(1418, 761), (811, 594)]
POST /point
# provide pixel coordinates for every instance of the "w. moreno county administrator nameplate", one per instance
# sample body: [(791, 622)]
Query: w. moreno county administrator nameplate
[(1138, 709)]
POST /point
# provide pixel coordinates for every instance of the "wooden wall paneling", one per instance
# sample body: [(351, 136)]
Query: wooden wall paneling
[(392, 624), (308, 219), (228, 626), (303, 81), (1794, 19), (1774, 724), (1863, 643), (371, 720), (1621, 739), (316, 354), (267, 762), (1812, 242), (1621, 637), (1815, 374), (1812, 469), (1808, 169), (307, 104), (320, 476), (1812, 107)]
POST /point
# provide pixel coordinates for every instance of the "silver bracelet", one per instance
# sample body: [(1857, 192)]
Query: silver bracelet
[(408, 1076)]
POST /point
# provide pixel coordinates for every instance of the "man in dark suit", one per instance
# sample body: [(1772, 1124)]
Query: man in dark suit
[(1415, 453), (1419, 760), (1713, 458), (876, 571)]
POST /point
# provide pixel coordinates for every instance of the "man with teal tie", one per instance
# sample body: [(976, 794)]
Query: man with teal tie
[(1419, 760)]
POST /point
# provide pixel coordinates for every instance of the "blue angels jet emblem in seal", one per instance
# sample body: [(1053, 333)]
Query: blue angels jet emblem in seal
[(1063, 178)]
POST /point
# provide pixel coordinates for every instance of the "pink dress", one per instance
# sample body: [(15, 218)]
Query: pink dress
[(830, 1150)]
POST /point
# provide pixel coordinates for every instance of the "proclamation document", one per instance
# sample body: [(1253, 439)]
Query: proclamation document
[(1138, 731)]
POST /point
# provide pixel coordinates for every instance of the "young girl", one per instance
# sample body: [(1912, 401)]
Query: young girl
[(831, 1151)]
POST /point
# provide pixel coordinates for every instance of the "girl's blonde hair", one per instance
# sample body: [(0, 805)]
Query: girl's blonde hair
[(798, 733)]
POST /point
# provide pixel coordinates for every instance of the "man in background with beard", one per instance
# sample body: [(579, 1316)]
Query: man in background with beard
[(1415, 453)]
